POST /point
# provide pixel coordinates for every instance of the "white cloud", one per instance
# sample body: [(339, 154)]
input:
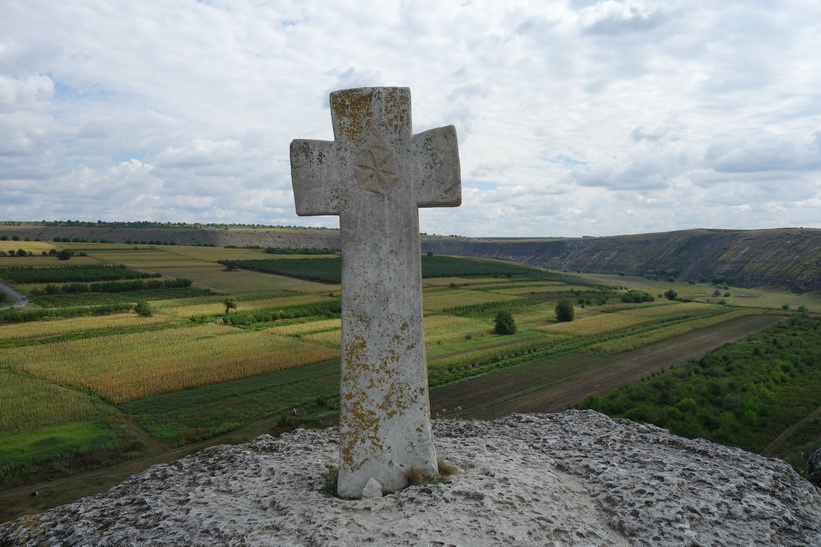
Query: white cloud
[(579, 117)]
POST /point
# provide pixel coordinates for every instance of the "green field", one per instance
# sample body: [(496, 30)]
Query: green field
[(94, 383)]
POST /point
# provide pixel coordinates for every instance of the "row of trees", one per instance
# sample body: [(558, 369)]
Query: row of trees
[(85, 273), (114, 286)]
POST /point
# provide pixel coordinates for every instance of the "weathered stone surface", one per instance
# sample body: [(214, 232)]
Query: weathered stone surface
[(375, 175), (575, 478), (372, 489)]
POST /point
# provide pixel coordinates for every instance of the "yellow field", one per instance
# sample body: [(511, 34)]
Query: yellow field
[(305, 328), (535, 317), (440, 329), (36, 247), (597, 324), (39, 329), (127, 367), (331, 338)]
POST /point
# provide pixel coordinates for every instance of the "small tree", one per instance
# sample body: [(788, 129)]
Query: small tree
[(505, 324), (670, 294), (564, 311), (143, 309), (65, 254), (230, 304)]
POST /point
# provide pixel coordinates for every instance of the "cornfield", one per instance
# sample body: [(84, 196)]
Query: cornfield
[(39, 329), (332, 338), (306, 328), (127, 367)]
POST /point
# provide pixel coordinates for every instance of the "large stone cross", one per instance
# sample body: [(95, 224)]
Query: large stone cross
[(375, 175)]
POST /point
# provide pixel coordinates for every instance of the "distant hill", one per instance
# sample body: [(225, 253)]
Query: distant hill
[(783, 257), (787, 257)]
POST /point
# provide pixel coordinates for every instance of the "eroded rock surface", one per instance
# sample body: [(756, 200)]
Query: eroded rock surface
[(575, 478)]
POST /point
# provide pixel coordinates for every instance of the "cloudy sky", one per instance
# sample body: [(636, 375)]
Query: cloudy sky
[(575, 117)]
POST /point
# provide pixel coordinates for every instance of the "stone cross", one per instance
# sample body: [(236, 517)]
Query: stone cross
[(375, 175)]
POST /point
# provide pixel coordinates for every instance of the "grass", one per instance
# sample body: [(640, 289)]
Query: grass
[(38, 404), (86, 442)]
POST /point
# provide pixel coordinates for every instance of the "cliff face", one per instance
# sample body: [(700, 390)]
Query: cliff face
[(789, 257), (574, 478), (786, 257)]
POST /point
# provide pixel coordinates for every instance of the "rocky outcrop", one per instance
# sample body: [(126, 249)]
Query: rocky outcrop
[(575, 478)]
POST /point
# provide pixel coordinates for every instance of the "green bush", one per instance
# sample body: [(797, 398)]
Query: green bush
[(564, 311), (505, 324), (143, 309)]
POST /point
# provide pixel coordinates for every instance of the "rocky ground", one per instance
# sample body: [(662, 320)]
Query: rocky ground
[(574, 478)]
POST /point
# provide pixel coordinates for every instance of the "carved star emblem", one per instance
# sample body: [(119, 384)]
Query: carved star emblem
[(376, 169)]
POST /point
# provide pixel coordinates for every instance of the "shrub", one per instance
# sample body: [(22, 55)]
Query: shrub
[(505, 324), (564, 311), (143, 309)]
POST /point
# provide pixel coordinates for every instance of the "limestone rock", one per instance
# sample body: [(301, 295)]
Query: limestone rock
[(373, 489), (574, 478)]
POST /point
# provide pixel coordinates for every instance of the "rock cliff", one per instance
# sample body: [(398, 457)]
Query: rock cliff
[(788, 257), (574, 478)]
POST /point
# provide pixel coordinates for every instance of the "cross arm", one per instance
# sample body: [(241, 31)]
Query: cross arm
[(437, 168), (315, 178)]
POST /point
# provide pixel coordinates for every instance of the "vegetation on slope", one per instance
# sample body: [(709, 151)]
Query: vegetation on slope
[(743, 394)]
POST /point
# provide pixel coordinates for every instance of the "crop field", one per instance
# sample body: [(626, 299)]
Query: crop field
[(127, 367), (603, 323), (657, 335), (183, 310), (307, 327), (464, 281), (39, 260), (442, 299), (187, 372), (37, 404), (56, 327)]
